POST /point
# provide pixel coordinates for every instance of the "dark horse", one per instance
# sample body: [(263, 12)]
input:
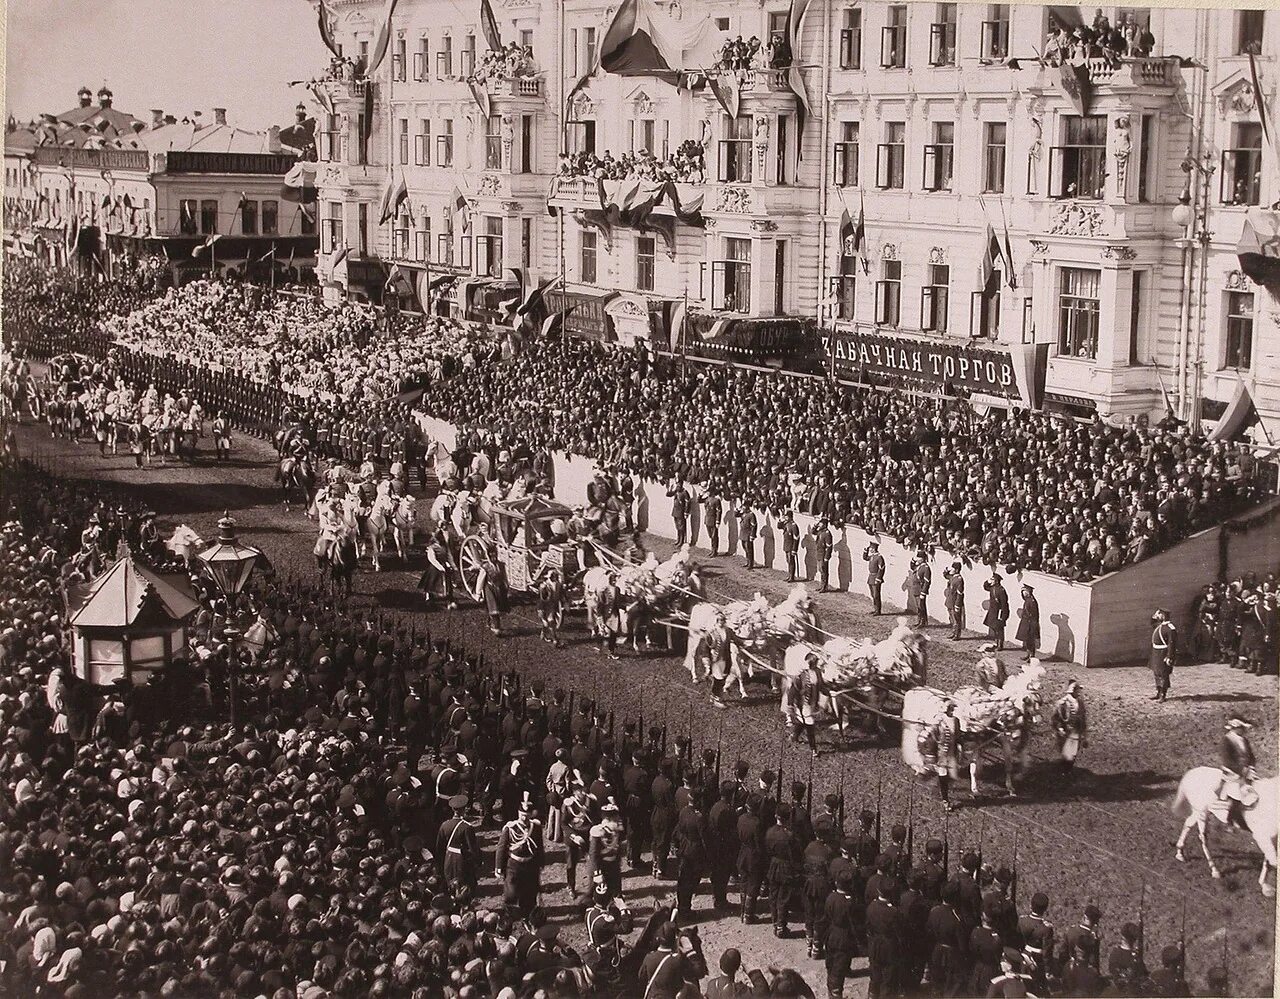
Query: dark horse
[(296, 475), (337, 563)]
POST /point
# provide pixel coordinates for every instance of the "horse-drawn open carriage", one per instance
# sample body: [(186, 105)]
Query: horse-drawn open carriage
[(526, 537)]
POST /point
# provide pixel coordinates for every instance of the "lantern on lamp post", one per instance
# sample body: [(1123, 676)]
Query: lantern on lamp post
[(229, 564)]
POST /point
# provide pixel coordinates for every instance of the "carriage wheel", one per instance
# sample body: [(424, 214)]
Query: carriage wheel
[(470, 558)]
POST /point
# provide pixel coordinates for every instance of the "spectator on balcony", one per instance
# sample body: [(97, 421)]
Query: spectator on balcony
[(779, 52)]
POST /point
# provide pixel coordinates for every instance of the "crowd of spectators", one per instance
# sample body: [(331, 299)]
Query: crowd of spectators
[(741, 56), (1099, 40), (686, 165), (1238, 622), (512, 61)]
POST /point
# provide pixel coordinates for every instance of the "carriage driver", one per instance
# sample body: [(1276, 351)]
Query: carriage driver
[(1237, 770)]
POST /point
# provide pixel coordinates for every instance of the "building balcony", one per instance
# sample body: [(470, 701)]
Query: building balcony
[(1116, 76), (758, 89), (520, 87)]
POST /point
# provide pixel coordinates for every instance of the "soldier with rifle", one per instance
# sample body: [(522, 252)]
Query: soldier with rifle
[(722, 843)]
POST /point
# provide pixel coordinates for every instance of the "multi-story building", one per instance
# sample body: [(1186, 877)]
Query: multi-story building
[(105, 187), (854, 169)]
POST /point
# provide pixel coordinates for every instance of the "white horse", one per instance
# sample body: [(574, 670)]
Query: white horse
[(378, 524), (404, 517), (1198, 798)]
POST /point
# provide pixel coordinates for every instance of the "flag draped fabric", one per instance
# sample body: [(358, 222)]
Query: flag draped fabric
[(860, 237), (341, 255), (1259, 102), (326, 28), (489, 26), (367, 128), (208, 244), (393, 196), (727, 92), (533, 300), (1075, 83), (384, 39), (987, 264), (1009, 277), (847, 245), (481, 96), (795, 78)]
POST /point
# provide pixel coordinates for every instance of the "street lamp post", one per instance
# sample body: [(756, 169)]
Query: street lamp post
[(229, 564), (1192, 214)]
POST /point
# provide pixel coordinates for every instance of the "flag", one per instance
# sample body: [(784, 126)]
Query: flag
[(481, 97), (393, 196), (1010, 279), (71, 235), (128, 202), (860, 237), (987, 265), (555, 322), (1076, 85), (533, 300), (384, 39), (795, 79), (321, 97), (208, 244), (489, 26), (367, 130), (678, 311), (326, 28), (339, 257), (727, 92), (1259, 102), (600, 195)]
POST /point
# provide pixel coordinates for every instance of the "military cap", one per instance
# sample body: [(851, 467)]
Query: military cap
[(1039, 902), (933, 846), (766, 778), (867, 817), (798, 789), (1171, 956), (1005, 877), (1092, 913), (1130, 931), (708, 756), (899, 831), (458, 802), (969, 862)]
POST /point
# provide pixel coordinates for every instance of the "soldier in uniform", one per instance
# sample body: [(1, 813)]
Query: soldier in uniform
[(816, 866), (985, 949), (953, 595), (1084, 938), (839, 940), (221, 436), (456, 851), (948, 958), (690, 845), (1037, 940), (1164, 652), (1124, 963), (783, 853), (1070, 725), (722, 844), (940, 744), (519, 859), (576, 813), (662, 818), (935, 873), (551, 606), (1238, 774), (884, 944), (875, 575), (636, 789), (823, 543), (751, 857), (747, 530), (791, 545), (997, 616), (712, 514), (1170, 979), (605, 848)]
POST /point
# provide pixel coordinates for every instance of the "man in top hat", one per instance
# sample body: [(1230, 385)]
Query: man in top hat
[(875, 574), (519, 859), (1164, 652), (1238, 772), (997, 615), (456, 851), (1070, 724), (953, 595), (1029, 625)]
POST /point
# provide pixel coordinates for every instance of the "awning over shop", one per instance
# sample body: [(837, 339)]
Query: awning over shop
[(1259, 248)]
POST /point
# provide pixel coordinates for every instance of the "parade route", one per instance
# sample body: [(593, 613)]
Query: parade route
[(1104, 837)]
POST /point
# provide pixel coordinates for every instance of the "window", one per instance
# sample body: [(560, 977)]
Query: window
[(1078, 312), (404, 141), (851, 39), (889, 294), (891, 157), (587, 264), (642, 134), (934, 305), (845, 166), (362, 147), (526, 40), (893, 39), (422, 239), (444, 144), (401, 238), (984, 310), (777, 32), (573, 52), (1146, 156), (582, 137), (731, 277), (363, 228), (209, 216), (493, 143), (588, 49), (993, 157), (526, 243), (489, 248), (399, 61), (995, 33), (1239, 330), (364, 54), (444, 58), (735, 151), (526, 143), (422, 144), (645, 260), (422, 59), (844, 287), (1249, 31), (468, 56), (331, 139), (722, 24), (942, 36), (1077, 168), (333, 236), (187, 212), (465, 253), (939, 157), (780, 167), (249, 218), (444, 243), (1242, 166), (780, 277), (1135, 319)]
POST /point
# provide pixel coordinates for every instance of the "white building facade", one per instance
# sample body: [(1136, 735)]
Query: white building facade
[(1124, 195)]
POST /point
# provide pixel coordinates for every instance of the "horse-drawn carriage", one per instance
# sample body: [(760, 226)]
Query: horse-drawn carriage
[(525, 537)]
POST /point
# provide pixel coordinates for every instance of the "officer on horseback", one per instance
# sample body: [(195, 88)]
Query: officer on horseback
[(1238, 771)]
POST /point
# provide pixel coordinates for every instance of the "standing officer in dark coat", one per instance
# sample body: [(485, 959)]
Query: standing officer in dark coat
[(456, 852), (712, 513), (954, 596), (1029, 627), (840, 938), (875, 574), (519, 859), (948, 959), (722, 843), (791, 545), (662, 818), (751, 857), (884, 944), (823, 542), (783, 853), (816, 864), (997, 609), (690, 844), (636, 789), (747, 530), (679, 510), (1164, 652)]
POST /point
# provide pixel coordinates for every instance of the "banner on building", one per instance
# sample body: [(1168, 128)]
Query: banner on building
[(1014, 372)]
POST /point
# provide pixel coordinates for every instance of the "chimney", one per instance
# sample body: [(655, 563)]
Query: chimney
[(104, 98), (157, 117), (273, 139), (219, 116), (86, 96)]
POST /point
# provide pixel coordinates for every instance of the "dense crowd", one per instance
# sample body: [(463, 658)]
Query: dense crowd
[(738, 55), (1238, 622), (686, 165), (513, 60), (330, 845), (1100, 39)]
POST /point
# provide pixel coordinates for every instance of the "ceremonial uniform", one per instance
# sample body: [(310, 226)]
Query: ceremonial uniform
[(954, 597), (816, 866), (1070, 725), (690, 843), (712, 514), (884, 947), (839, 938), (875, 576), (824, 544), (948, 959), (605, 853), (457, 853), (791, 546), (1164, 653), (751, 862), (519, 863), (747, 530), (997, 615), (780, 845)]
